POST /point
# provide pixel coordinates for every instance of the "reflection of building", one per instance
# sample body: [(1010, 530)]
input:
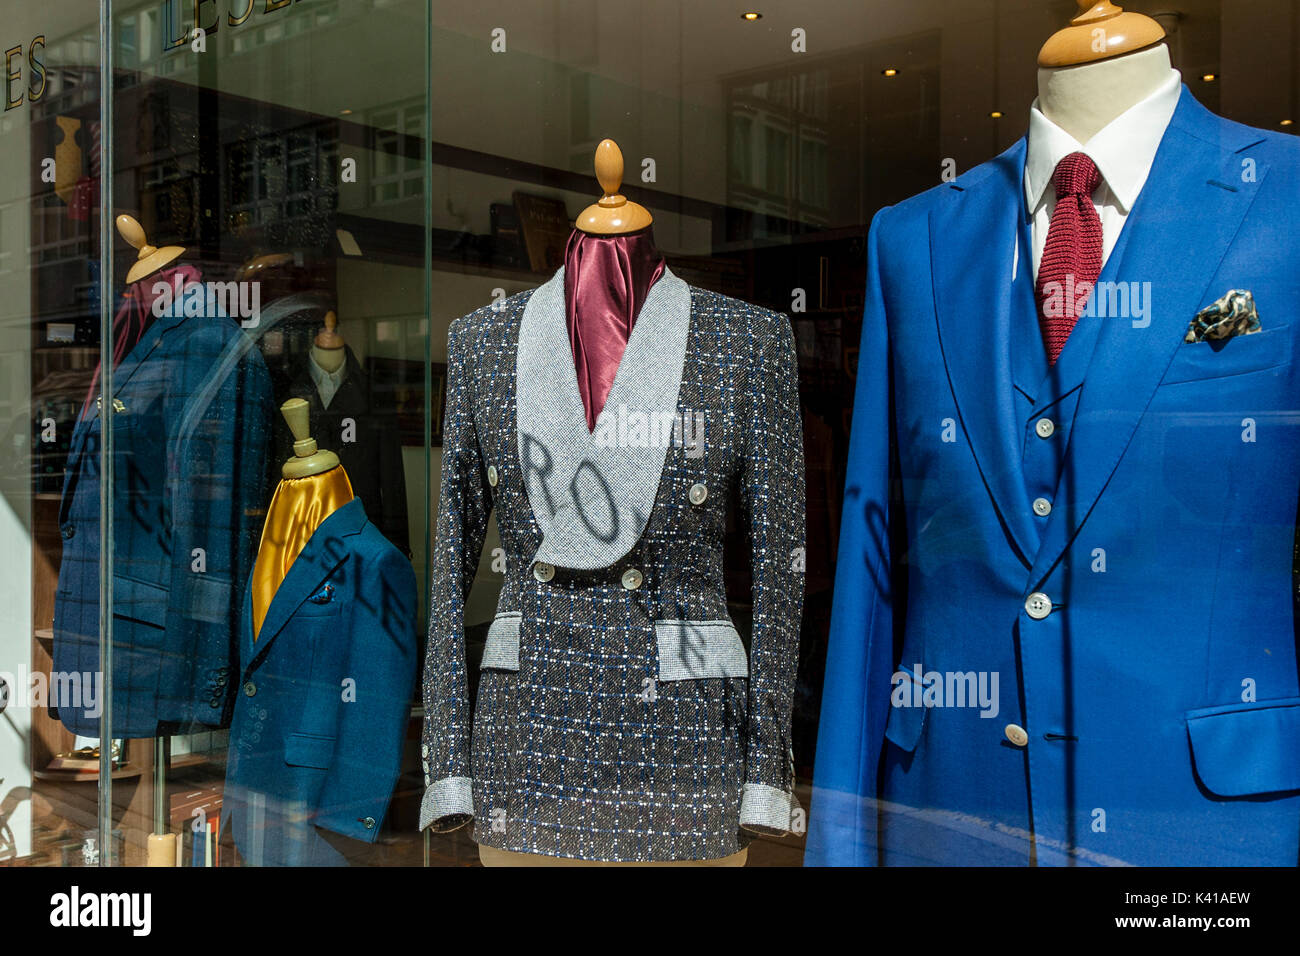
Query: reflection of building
[(818, 146)]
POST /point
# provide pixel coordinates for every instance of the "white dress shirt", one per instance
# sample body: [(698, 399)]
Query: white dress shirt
[(1123, 151), (327, 383)]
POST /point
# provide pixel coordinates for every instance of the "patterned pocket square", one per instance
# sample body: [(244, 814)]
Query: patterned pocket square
[(323, 596), (1234, 314)]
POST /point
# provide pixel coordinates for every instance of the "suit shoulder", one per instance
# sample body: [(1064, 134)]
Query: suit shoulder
[(207, 333), (382, 557), (917, 208), (758, 323), (768, 335), (1247, 140), (489, 321)]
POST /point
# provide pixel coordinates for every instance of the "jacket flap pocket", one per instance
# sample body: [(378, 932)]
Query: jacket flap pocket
[(1242, 749), (501, 650), (906, 716), (693, 650), (309, 750), (139, 601)]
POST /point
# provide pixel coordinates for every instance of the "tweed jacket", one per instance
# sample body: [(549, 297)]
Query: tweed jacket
[(619, 715), (192, 407), (323, 700)]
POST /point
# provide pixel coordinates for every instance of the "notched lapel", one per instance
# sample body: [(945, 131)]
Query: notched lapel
[(973, 244), (1196, 182), (325, 552), (591, 493)]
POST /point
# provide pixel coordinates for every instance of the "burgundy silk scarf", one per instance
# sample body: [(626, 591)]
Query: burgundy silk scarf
[(606, 280)]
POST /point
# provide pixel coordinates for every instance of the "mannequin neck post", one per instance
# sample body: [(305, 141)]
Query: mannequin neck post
[(1083, 99)]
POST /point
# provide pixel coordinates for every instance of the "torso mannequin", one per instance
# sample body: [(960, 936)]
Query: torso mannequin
[(327, 349), (612, 219)]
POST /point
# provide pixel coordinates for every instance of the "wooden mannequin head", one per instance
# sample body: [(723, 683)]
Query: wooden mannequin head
[(612, 214), (1100, 31), (307, 459), (149, 259)]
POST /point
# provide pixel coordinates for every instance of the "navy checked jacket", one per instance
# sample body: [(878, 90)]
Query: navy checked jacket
[(619, 715), (190, 426)]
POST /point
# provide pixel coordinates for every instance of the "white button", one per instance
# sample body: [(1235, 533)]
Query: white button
[(1042, 507), (543, 571), (1016, 734), (492, 475), (698, 493), (1039, 605), (1045, 427), (632, 579)]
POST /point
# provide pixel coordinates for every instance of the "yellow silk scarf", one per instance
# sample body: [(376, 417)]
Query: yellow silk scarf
[(296, 511)]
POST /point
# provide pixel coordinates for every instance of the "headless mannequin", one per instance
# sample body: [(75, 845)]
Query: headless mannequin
[(327, 349), (611, 262)]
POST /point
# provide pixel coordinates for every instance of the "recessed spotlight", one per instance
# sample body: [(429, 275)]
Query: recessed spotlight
[(996, 114), (1209, 77), (345, 112), (1286, 122), (889, 71), (751, 15)]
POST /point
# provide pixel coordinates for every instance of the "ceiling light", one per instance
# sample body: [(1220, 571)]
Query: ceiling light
[(751, 15), (1209, 77), (996, 114), (889, 71)]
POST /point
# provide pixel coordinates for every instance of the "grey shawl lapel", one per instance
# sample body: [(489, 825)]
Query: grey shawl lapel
[(591, 493)]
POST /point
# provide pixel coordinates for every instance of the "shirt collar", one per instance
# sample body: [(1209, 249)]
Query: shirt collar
[(1124, 150)]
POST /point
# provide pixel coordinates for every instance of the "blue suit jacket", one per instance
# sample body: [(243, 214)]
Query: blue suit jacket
[(190, 432), (323, 699), (1159, 696)]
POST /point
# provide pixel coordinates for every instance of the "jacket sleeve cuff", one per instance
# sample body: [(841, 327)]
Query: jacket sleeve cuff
[(765, 809), (448, 804), (364, 828)]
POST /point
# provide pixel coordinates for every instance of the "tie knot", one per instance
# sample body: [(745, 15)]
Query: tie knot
[(1076, 175)]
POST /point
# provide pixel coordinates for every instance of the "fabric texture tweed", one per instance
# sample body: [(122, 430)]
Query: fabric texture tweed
[(596, 734)]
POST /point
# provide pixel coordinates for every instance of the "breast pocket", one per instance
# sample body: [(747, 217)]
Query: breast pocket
[(696, 650), (322, 603), (1242, 354)]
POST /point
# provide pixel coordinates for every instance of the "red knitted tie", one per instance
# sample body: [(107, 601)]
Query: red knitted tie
[(1072, 257)]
